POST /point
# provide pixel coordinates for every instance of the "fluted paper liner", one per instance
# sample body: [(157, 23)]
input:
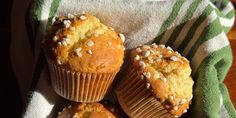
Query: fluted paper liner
[(80, 86), (136, 100)]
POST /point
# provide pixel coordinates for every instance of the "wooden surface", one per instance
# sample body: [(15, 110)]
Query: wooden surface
[(230, 80)]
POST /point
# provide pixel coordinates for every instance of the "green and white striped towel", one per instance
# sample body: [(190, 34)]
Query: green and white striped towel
[(196, 28)]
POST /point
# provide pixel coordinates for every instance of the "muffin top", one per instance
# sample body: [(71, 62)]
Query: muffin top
[(89, 110), (82, 43), (167, 74)]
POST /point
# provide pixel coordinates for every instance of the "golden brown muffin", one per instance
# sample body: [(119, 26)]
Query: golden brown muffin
[(82, 43), (164, 73), (91, 110), (83, 56)]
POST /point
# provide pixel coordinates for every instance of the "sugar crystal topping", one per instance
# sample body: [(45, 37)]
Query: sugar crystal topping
[(138, 50), (54, 19), (78, 52), (148, 85), (90, 43), (146, 53), (169, 48), (70, 16), (67, 23), (137, 57), (59, 43), (185, 111), (67, 40), (90, 52), (59, 61), (147, 75), (182, 101), (74, 116), (142, 64), (162, 46), (175, 108), (64, 43), (174, 58), (82, 17), (171, 97), (163, 79), (141, 77), (122, 37), (55, 38)]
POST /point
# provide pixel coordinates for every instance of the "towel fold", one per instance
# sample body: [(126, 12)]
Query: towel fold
[(195, 28)]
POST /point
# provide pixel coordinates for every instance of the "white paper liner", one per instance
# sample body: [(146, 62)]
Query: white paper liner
[(136, 100), (80, 86)]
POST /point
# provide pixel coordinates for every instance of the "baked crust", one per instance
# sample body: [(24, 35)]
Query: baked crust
[(82, 43), (82, 110), (167, 74)]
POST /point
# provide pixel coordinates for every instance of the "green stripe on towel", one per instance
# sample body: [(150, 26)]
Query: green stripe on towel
[(41, 59), (207, 11), (192, 8), (53, 9), (212, 30), (231, 14), (169, 20)]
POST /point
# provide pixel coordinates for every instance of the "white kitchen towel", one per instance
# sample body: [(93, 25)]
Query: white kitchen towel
[(195, 28)]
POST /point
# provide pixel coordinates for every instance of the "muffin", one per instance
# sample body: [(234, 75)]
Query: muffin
[(114, 108), (89, 110), (157, 83), (83, 56)]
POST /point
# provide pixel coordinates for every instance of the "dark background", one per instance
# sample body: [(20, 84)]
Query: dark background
[(10, 99)]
